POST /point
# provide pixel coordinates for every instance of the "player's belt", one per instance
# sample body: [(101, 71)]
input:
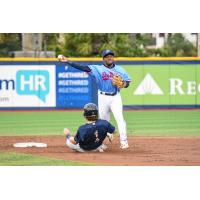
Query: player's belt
[(109, 94)]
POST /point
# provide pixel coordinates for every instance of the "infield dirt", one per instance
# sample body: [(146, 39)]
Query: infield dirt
[(143, 151)]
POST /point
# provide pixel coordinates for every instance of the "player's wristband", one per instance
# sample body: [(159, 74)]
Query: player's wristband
[(126, 84), (68, 136)]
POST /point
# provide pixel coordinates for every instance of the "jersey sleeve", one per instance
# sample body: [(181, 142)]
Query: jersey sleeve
[(124, 74), (110, 128), (84, 68), (126, 77), (93, 70)]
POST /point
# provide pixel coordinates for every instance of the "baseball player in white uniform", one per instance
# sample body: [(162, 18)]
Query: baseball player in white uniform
[(109, 98)]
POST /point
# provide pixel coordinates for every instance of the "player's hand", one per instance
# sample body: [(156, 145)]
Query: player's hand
[(62, 58), (66, 131)]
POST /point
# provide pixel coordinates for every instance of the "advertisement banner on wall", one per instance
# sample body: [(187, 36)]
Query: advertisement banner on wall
[(27, 86), (163, 85), (73, 87)]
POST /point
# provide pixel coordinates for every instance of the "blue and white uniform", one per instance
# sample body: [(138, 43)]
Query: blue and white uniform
[(109, 98), (104, 76)]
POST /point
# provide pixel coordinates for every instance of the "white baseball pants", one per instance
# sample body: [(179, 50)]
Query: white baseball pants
[(77, 147), (113, 103)]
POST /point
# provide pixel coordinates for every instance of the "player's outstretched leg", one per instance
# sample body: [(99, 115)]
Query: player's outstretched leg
[(69, 141)]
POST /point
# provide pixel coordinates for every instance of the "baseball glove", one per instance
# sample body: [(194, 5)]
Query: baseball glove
[(118, 81)]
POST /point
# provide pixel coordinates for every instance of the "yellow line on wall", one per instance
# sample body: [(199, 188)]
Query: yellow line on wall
[(100, 59)]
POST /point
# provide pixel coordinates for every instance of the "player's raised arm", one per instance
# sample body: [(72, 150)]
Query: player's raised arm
[(64, 59)]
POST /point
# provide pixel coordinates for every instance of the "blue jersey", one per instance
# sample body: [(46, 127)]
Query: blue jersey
[(104, 76), (90, 136)]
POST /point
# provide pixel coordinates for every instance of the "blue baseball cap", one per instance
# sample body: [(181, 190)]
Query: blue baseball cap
[(107, 52)]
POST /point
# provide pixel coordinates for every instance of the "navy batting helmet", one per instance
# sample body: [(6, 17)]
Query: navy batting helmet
[(107, 52), (90, 112)]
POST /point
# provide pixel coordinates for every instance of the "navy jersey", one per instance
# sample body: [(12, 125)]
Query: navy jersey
[(90, 136)]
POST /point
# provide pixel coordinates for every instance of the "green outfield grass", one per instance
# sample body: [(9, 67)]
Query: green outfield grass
[(139, 123), (20, 159)]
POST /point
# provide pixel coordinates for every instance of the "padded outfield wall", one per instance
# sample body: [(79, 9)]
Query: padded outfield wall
[(45, 83)]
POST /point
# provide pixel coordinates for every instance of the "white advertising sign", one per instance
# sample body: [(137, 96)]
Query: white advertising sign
[(27, 86)]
